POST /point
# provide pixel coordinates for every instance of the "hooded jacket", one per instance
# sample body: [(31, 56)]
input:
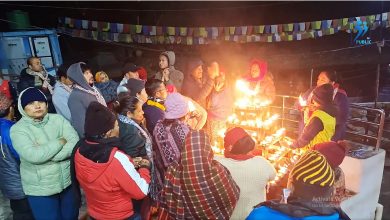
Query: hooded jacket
[(79, 100), (44, 161), (109, 180), (176, 77), (10, 184)]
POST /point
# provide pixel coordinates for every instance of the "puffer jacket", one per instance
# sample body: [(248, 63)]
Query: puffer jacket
[(176, 77), (44, 161), (10, 184)]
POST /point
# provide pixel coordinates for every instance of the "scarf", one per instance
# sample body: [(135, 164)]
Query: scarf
[(198, 187), (95, 93), (65, 87), (169, 141), (41, 79), (156, 103), (148, 141)]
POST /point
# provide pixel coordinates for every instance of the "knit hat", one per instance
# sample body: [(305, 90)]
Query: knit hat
[(135, 86), (98, 120), (176, 106), (5, 102), (31, 94), (194, 64), (232, 136), (129, 67), (333, 152), (312, 176), (323, 94)]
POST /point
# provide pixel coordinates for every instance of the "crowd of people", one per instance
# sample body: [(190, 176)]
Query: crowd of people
[(141, 148)]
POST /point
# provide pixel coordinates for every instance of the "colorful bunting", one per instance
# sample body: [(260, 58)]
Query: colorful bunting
[(117, 32)]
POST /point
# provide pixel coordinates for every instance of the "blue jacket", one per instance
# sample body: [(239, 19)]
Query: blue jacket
[(297, 209), (266, 213), (10, 184)]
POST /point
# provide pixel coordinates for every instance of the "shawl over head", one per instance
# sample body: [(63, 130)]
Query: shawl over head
[(198, 187)]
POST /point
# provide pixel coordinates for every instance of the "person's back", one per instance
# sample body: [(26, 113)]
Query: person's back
[(110, 186), (267, 213), (258, 171), (108, 176), (311, 184), (252, 182)]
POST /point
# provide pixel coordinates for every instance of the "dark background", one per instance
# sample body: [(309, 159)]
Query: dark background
[(290, 62)]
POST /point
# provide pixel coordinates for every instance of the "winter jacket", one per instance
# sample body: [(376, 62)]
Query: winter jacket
[(109, 180), (153, 112), (60, 100), (108, 90), (340, 99), (198, 91), (26, 80), (44, 161), (176, 77), (133, 143), (296, 210), (79, 100), (10, 184)]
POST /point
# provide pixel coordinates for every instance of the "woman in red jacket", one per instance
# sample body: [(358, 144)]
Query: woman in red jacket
[(109, 177)]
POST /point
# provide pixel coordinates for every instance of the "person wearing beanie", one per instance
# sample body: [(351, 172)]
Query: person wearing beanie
[(136, 87), (44, 142), (167, 72), (61, 93), (335, 152), (168, 135), (154, 109), (320, 126), (198, 85), (109, 177), (311, 182), (84, 92), (11, 184), (261, 79), (107, 87), (237, 157), (340, 99), (129, 71)]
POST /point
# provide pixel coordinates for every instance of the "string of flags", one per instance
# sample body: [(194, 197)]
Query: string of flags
[(147, 34)]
